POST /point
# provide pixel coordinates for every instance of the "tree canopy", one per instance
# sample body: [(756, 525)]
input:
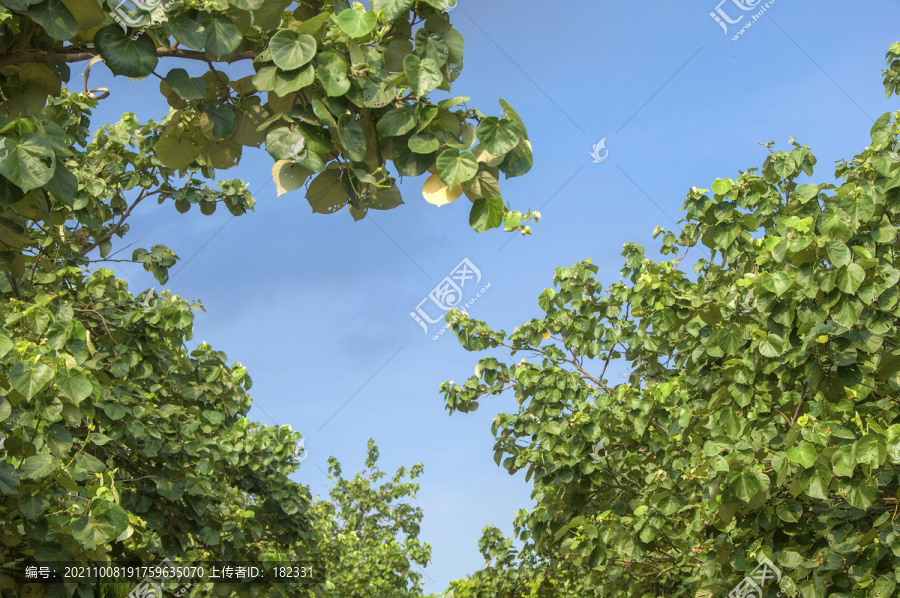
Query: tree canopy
[(759, 418), (334, 92), (369, 535), (119, 440)]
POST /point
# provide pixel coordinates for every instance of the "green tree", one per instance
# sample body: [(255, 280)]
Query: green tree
[(760, 417), (120, 442), (333, 91), (369, 533)]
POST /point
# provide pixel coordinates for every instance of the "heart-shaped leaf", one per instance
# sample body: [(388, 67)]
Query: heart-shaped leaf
[(437, 193), (223, 36), (291, 50), (486, 213), (455, 167), (187, 87), (332, 72), (498, 136), (356, 22), (326, 194), (352, 137), (135, 58), (29, 378), (55, 18), (29, 161), (423, 75)]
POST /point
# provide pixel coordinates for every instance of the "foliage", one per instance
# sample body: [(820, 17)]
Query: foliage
[(369, 539), (335, 93), (760, 417), (119, 442), (518, 573)]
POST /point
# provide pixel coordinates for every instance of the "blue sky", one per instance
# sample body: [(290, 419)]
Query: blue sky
[(317, 307)]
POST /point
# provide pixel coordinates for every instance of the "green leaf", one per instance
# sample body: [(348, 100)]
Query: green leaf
[(747, 482), (29, 378), (73, 384), (433, 45), (326, 194), (9, 480), (90, 463), (815, 481), (790, 559), (55, 18), (782, 282), (519, 161), (223, 36), (397, 122), (789, 511), (30, 161), (771, 345), (291, 50), (804, 454), (871, 450), (455, 167), (352, 137), (386, 199), (860, 492), (513, 219), (247, 4), (59, 441), (187, 32), (423, 75), (33, 505), (513, 116), (356, 23), (838, 253), (393, 9), (63, 185), (92, 532), (497, 136), (170, 488), (176, 149), (850, 278), (722, 186), (125, 56), (332, 72), (423, 143), (40, 466), (114, 411), (187, 87), (6, 344), (486, 213)]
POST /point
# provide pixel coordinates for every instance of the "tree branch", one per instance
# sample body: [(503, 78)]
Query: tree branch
[(73, 54)]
